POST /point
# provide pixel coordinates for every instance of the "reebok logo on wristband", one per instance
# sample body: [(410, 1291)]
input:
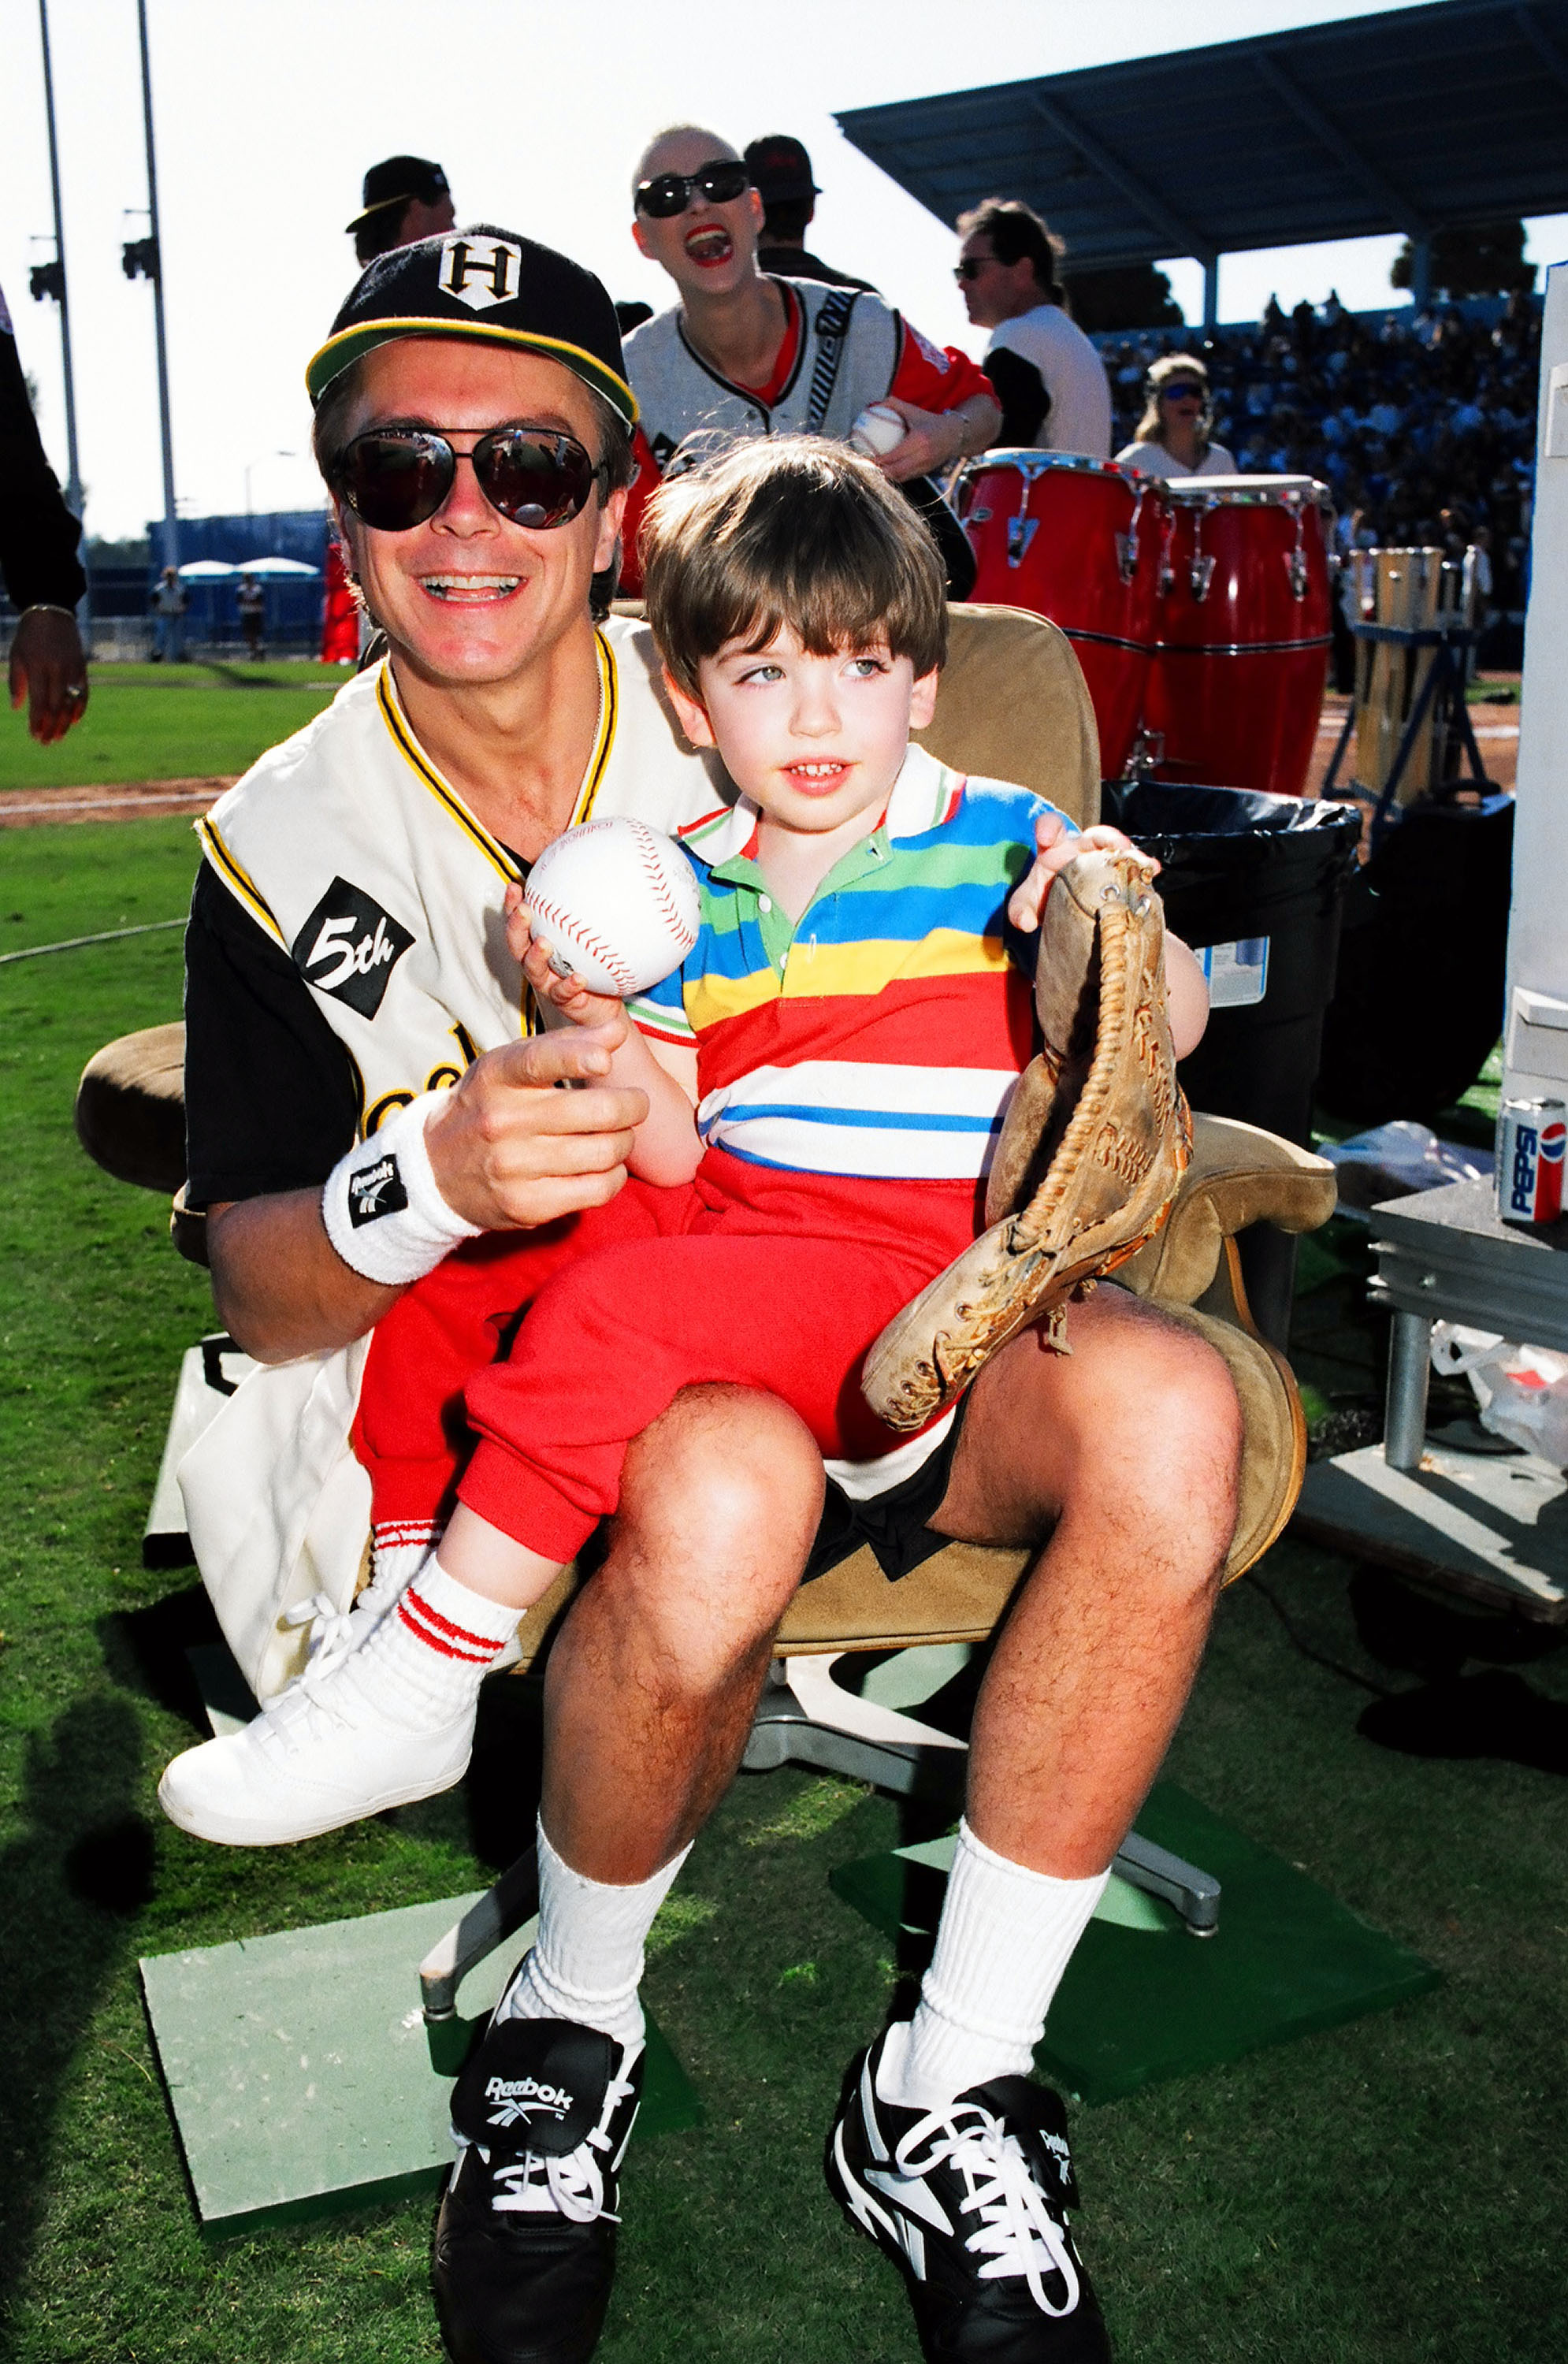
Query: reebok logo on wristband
[(376, 1191), (382, 1207)]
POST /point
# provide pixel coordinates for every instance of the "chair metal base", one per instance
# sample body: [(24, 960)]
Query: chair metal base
[(806, 1718)]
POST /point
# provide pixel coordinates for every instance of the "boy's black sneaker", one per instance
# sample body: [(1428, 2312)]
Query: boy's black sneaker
[(526, 2237), (970, 2201)]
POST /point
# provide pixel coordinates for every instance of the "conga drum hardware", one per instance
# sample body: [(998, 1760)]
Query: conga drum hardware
[(1236, 685), (1073, 539)]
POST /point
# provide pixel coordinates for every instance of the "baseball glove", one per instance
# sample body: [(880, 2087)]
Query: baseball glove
[(1094, 1143)]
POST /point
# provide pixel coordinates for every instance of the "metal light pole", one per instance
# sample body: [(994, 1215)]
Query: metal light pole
[(152, 256), (74, 487), (74, 500)]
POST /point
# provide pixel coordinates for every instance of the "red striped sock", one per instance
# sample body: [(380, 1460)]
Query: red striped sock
[(428, 1658)]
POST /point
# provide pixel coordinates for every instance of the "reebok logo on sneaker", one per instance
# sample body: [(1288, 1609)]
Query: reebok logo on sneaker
[(520, 2097)]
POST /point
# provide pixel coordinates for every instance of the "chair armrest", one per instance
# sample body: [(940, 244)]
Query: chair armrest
[(1238, 1175)]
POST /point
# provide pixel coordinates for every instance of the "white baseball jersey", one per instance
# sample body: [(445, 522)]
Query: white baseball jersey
[(355, 856)]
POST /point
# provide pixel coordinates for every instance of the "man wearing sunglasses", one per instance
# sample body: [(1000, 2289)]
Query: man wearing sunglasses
[(1052, 384), (746, 353), (363, 1099)]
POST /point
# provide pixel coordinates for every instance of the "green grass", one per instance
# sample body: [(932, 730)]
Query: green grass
[(173, 722), (1391, 2192)]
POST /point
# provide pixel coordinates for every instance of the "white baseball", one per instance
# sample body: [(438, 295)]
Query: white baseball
[(878, 430), (616, 904)]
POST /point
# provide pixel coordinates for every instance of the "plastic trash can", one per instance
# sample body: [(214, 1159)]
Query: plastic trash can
[(1255, 883)]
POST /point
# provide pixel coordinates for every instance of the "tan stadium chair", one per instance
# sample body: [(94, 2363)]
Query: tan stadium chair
[(1012, 706)]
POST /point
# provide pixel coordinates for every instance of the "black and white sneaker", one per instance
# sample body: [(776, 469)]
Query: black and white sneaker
[(525, 2238), (970, 2201)]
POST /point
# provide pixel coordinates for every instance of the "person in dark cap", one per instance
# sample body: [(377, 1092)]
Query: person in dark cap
[(781, 173), (403, 199)]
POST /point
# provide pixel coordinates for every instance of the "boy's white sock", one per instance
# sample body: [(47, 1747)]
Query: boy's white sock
[(1006, 1937), (585, 1964), (428, 1655)]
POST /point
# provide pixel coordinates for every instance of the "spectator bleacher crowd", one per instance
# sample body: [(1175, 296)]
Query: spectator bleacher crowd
[(1423, 426)]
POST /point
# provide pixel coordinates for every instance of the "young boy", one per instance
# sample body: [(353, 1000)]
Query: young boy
[(825, 1076)]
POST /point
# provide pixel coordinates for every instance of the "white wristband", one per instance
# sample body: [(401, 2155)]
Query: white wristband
[(383, 1211)]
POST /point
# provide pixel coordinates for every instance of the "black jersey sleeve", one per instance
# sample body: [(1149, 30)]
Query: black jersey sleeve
[(1023, 394), (271, 1095)]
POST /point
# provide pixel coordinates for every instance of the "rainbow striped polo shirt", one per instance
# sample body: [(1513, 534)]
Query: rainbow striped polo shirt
[(884, 1034)]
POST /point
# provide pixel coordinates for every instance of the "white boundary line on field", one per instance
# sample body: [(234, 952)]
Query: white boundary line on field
[(109, 936)]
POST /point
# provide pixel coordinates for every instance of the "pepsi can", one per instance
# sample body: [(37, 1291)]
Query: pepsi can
[(1531, 1138)]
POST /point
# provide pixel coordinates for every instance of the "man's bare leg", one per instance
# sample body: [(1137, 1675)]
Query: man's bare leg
[(1126, 1451), (654, 1679)]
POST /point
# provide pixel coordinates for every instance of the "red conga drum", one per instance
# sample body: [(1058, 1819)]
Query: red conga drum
[(1079, 540), (1236, 687)]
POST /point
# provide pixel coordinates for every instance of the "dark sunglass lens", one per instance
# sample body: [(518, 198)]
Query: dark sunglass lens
[(395, 482), (666, 196), (533, 480), (721, 183)]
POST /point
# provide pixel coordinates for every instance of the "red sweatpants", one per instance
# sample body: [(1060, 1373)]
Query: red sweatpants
[(750, 1275)]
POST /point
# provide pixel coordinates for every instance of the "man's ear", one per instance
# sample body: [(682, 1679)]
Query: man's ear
[(610, 517), (690, 712), (923, 698)]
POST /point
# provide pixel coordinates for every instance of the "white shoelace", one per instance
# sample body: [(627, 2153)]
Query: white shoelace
[(573, 2186), (1017, 2234), (335, 1632)]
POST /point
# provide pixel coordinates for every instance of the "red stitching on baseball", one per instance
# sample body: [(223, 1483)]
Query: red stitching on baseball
[(685, 935), (584, 941)]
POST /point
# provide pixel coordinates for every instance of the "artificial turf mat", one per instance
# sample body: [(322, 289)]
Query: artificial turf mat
[(1391, 2192), (300, 2075), (1142, 2000), (171, 722)]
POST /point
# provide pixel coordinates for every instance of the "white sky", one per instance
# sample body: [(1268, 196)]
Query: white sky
[(267, 114)]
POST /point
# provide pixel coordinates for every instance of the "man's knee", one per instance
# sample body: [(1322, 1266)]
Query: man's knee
[(728, 1481), (1138, 1429)]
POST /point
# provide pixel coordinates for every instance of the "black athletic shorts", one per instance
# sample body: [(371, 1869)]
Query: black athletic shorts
[(894, 1523)]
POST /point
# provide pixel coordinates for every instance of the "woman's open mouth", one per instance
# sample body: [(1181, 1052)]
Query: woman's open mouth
[(710, 245)]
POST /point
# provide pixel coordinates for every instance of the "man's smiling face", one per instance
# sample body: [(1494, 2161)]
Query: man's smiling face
[(709, 249), (470, 598)]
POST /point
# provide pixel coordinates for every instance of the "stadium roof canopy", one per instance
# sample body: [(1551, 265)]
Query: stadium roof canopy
[(1415, 119)]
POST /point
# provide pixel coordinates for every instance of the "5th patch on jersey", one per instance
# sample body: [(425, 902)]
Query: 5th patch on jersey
[(349, 946)]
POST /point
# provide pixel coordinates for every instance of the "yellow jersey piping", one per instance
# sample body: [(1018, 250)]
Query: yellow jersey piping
[(235, 877)]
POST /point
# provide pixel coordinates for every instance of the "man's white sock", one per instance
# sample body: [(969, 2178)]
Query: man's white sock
[(587, 1962), (428, 1655), (1006, 1937)]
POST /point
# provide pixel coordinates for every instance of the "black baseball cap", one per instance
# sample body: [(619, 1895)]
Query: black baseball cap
[(781, 169), (491, 284), (397, 183)]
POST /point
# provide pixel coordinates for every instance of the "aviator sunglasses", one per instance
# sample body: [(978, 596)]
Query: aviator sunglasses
[(1186, 390), (396, 477), (972, 265), (671, 193)]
